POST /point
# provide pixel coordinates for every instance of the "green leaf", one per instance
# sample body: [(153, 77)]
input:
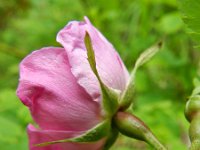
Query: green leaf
[(191, 16), (109, 96), (98, 132), (127, 95)]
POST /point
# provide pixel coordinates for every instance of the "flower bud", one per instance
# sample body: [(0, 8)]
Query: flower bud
[(192, 107), (72, 91), (192, 113)]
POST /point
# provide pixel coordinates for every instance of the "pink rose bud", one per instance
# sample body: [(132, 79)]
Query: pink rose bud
[(63, 93)]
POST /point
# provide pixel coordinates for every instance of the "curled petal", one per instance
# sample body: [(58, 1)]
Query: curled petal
[(39, 136), (109, 65), (50, 90)]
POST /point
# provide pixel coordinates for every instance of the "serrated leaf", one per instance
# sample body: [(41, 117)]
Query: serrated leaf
[(191, 16), (127, 95), (98, 132), (109, 96)]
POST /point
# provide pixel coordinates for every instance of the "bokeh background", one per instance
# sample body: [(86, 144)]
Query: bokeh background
[(162, 85)]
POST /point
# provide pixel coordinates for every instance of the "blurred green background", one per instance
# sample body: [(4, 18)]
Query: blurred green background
[(162, 85)]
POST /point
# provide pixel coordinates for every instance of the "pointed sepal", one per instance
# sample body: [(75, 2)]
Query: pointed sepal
[(109, 96), (127, 95), (98, 132)]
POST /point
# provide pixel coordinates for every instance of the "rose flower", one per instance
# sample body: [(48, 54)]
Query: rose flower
[(62, 92)]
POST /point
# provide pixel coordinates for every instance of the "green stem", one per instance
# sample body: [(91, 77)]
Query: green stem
[(195, 145), (194, 132), (192, 113)]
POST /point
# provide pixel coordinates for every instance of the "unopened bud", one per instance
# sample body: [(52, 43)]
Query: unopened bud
[(192, 107)]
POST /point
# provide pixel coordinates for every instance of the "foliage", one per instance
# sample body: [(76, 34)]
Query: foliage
[(191, 16), (162, 85)]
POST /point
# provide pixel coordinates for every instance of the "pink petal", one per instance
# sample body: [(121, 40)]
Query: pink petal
[(49, 89), (39, 136), (109, 64)]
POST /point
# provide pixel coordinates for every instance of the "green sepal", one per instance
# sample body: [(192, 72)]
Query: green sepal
[(127, 95), (109, 96), (98, 132)]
